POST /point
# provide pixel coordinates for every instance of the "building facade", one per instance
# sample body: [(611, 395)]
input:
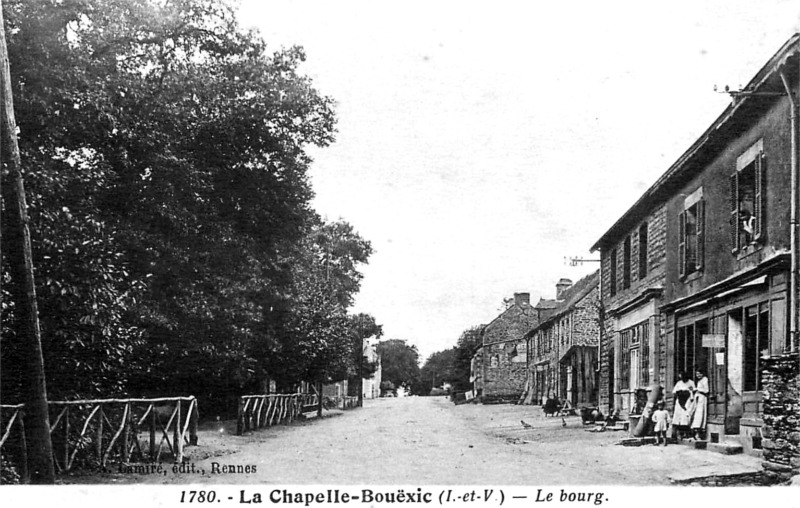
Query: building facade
[(562, 348), (719, 290), (633, 257), (371, 386), (503, 362)]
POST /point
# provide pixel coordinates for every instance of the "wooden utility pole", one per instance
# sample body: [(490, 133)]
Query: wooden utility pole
[(23, 290)]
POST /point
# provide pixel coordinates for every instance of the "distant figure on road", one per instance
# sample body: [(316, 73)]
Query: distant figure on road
[(661, 420), (700, 406), (682, 416)]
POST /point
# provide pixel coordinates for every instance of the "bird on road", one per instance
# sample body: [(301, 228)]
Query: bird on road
[(526, 425)]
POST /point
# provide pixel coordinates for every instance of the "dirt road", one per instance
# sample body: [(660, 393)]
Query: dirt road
[(426, 441)]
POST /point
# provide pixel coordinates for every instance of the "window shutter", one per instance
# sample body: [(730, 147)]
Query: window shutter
[(760, 225), (682, 244), (701, 222), (735, 211)]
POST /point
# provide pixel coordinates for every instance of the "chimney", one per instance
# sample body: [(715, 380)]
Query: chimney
[(522, 299), (561, 287)]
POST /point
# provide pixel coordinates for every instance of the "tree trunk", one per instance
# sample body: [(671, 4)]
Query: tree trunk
[(22, 289)]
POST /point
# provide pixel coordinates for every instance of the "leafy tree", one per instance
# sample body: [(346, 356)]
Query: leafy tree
[(466, 347), (438, 369), (176, 248), (399, 362)]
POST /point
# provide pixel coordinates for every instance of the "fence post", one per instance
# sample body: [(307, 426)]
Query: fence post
[(239, 417), (99, 443), (126, 433), (177, 435), (24, 475), (193, 425), (66, 439), (319, 401), (152, 431)]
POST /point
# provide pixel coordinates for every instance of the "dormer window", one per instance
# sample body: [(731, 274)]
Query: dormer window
[(748, 198)]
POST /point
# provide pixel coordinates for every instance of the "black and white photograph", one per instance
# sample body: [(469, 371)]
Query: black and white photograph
[(362, 253)]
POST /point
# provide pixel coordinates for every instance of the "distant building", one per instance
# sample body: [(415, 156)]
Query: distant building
[(562, 348), (371, 387), (503, 352)]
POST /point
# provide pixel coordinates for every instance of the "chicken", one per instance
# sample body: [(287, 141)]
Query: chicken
[(526, 425)]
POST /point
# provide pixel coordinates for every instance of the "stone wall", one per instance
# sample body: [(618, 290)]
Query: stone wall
[(781, 429), (504, 358), (606, 363)]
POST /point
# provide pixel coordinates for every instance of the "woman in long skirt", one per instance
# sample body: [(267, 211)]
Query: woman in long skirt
[(682, 416), (700, 406)]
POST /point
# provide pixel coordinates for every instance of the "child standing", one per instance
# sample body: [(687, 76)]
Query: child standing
[(662, 420)]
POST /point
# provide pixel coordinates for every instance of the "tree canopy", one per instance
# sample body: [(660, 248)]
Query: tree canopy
[(399, 362), (175, 245)]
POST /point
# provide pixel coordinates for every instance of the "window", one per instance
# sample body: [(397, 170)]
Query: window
[(626, 263), (756, 344), (748, 193), (625, 362), (643, 251), (690, 247), (635, 350), (612, 272), (690, 354)]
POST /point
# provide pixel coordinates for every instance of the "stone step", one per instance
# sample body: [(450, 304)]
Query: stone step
[(726, 447)]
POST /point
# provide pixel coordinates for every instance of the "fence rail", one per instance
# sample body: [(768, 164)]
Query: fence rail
[(92, 432), (262, 411), (349, 402)]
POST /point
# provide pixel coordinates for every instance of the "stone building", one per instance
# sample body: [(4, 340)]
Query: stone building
[(562, 348), (633, 257), (503, 353), (719, 288)]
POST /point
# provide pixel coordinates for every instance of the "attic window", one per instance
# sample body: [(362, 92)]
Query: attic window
[(748, 198)]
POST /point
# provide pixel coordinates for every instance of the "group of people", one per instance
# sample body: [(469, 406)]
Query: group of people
[(691, 408)]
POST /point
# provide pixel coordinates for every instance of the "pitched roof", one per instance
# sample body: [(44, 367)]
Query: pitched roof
[(714, 139), (546, 304), (572, 298)]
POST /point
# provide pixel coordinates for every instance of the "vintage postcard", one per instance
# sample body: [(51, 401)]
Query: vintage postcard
[(440, 253)]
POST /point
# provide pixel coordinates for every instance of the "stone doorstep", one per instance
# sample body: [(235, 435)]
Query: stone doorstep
[(725, 447)]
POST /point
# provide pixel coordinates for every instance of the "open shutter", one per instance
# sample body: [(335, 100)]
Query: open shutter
[(701, 222), (760, 225), (735, 211), (682, 244)]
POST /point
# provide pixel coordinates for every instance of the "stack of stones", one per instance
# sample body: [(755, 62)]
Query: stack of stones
[(781, 443)]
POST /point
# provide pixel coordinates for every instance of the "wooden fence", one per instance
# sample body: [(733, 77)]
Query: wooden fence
[(349, 402), (262, 411), (13, 448), (91, 432)]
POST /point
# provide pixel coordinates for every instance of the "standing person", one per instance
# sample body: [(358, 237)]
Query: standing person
[(700, 406), (661, 420), (682, 416)]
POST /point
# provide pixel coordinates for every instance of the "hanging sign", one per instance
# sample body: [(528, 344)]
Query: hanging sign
[(713, 340), (720, 357)]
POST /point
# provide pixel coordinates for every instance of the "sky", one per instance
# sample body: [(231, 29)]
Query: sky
[(480, 144)]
